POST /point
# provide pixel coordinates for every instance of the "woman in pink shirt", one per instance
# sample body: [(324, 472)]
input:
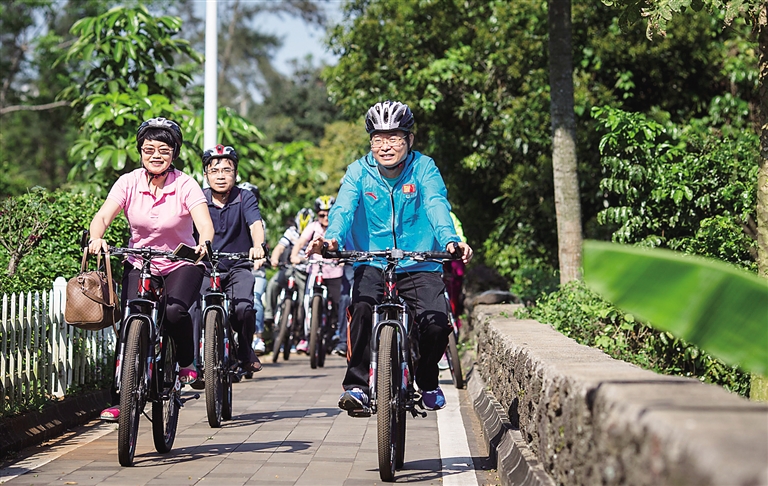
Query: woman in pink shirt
[(161, 204)]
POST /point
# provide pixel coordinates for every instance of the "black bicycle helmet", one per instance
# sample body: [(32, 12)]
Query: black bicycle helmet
[(388, 115), (219, 152), (150, 127)]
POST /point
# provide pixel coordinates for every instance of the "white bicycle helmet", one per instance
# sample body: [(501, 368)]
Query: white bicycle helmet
[(388, 115)]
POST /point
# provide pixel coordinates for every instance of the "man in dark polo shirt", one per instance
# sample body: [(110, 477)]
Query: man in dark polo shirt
[(238, 228)]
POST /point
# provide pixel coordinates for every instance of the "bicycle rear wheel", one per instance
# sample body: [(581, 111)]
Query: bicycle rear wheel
[(315, 339), (165, 410), (214, 364), (133, 390), (389, 403), (454, 362)]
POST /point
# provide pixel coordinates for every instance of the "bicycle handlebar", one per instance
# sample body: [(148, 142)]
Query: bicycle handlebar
[(390, 254), (147, 253)]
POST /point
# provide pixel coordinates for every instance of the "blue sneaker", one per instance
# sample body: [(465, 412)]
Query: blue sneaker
[(433, 399), (355, 401)]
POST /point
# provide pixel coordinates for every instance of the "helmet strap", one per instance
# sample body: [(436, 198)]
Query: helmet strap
[(170, 168)]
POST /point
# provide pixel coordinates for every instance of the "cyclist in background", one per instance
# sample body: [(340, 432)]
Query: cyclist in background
[(331, 274), (161, 204), (260, 282), (237, 222), (394, 197), (281, 254)]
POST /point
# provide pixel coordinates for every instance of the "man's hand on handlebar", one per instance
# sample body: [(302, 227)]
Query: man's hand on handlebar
[(316, 245), (464, 250)]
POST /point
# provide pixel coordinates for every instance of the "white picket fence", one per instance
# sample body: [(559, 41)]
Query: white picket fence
[(42, 357)]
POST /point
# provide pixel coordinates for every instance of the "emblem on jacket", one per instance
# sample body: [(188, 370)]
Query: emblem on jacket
[(409, 188), (372, 195)]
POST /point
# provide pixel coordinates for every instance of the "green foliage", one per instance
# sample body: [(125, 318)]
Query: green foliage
[(716, 306), (582, 315), (343, 143), (58, 252), (23, 222), (288, 181), (690, 188), (128, 73), (476, 75)]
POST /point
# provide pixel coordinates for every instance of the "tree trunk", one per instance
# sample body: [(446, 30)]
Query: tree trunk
[(759, 384), (762, 172), (566, 179)]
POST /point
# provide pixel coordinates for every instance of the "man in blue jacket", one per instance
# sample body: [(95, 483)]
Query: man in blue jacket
[(394, 197)]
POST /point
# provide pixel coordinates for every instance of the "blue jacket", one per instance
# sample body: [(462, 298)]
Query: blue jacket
[(413, 215)]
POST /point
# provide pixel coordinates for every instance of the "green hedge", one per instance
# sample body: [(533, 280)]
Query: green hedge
[(58, 253), (581, 314)]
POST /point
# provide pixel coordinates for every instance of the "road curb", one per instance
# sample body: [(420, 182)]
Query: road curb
[(515, 463), (33, 428)]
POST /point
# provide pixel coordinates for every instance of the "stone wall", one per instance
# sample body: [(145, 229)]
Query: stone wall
[(590, 419)]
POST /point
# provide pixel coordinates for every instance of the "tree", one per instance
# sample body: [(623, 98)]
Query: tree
[(566, 180), (658, 14)]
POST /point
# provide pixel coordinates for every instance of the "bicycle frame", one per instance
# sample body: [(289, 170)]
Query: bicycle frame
[(145, 307), (216, 299), (391, 312)]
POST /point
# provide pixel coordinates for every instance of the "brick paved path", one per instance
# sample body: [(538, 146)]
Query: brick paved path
[(286, 429)]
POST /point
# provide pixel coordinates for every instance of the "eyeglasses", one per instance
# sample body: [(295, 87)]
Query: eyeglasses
[(150, 151), (223, 170), (322, 215), (393, 141)]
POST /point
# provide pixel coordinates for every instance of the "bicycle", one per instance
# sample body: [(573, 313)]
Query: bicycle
[(452, 350), (146, 369), (218, 343), (320, 309), (285, 315), (392, 360)]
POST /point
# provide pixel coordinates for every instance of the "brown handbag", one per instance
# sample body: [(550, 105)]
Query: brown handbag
[(91, 298)]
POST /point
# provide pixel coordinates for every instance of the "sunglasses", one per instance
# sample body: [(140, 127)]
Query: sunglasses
[(322, 215)]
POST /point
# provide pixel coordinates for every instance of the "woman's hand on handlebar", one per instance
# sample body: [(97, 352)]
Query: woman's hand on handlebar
[(464, 250), (201, 249), (97, 245)]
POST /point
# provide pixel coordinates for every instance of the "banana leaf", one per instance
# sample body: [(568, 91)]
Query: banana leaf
[(716, 306)]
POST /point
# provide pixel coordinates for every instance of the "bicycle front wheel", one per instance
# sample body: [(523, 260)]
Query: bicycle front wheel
[(133, 389), (214, 364), (165, 409), (389, 403), (316, 350), (281, 338)]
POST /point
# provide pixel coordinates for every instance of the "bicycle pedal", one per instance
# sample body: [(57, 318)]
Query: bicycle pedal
[(184, 400), (360, 412)]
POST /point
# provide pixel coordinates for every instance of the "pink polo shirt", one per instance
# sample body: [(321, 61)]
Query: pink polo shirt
[(161, 221), (313, 230)]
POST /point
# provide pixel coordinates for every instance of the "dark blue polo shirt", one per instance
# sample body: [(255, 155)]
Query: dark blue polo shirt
[(232, 224)]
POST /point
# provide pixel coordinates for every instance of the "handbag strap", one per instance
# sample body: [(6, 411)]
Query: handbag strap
[(112, 297), (84, 263)]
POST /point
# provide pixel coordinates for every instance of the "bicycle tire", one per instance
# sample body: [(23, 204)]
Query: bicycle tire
[(226, 404), (454, 362), (288, 319), (315, 339), (165, 412), (214, 364), (277, 340), (387, 395), (132, 389)]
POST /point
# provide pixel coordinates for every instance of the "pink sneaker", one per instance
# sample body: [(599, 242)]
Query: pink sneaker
[(302, 347), (188, 374), (110, 414)]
